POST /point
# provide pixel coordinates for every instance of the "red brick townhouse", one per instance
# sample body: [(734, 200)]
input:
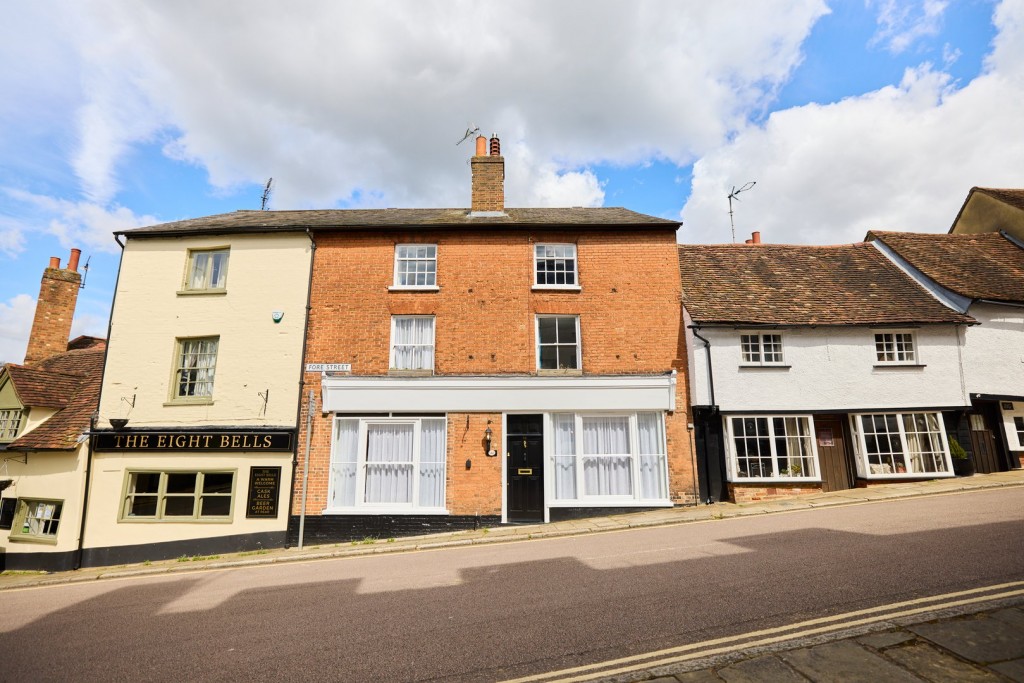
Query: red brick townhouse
[(489, 365)]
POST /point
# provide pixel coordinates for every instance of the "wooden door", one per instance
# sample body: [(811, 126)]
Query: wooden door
[(836, 474), (983, 443)]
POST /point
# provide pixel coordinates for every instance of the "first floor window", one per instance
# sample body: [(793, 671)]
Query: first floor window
[(761, 349), (901, 443), (894, 347), (609, 456), (770, 447), (555, 265), (1018, 423), (416, 265), (388, 464), (196, 362), (10, 423), (207, 270), (178, 496), (558, 346), (412, 342), (37, 519)]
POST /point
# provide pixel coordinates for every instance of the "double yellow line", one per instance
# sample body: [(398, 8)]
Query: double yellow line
[(771, 636)]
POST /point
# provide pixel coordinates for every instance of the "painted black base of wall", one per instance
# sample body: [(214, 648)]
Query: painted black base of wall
[(125, 554), (345, 528), (44, 562), (561, 514)]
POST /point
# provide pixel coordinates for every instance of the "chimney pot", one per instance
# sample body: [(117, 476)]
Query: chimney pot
[(481, 146), (756, 235), (495, 145), (73, 260), (748, 242), (54, 262)]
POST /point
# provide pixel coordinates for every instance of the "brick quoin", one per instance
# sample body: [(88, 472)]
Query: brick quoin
[(630, 317)]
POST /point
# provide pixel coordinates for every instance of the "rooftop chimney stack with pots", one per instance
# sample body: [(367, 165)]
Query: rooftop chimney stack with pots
[(488, 177), (55, 309)]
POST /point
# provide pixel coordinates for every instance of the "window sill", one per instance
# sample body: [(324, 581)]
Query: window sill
[(395, 288), (33, 539), (205, 402), (911, 475), (611, 501), (392, 372), (904, 366), (559, 373), (775, 480), (556, 288), (180, 520), (385, 511), (202, 292), (765, 366)]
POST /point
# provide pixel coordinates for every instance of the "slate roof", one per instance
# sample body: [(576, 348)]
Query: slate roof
[(774, 284), (70, 382), (363, 219), (979, 266)]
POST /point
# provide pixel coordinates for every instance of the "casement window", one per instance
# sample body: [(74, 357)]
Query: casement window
[(388, 465), (772, 447), (1018, 424), (555, 266), (10, 423), (7, 509), (558, 342), (415, 266), (37, 520), (761, 349), (895, 444), (606, 458), (173, 496), (412, 342), (895, 347), (207, 270), (195, 365)]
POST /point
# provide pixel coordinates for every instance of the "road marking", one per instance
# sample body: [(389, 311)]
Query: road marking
[(776, 634)]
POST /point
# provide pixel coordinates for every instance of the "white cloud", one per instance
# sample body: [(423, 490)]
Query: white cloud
[(15, 324), (362, 103), (893, 159), (902, 23)]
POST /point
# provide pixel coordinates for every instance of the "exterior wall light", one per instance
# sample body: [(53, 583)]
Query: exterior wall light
[(488, 435)]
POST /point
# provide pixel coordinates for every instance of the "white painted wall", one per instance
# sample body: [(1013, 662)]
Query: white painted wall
[(266, 273), (994, 350), (829, 369)]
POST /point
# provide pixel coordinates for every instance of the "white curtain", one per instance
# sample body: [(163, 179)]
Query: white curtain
[(651, 442), (432, 445), (389, 463), (414, 343), (344, 461), (565, 456), (607, 465)]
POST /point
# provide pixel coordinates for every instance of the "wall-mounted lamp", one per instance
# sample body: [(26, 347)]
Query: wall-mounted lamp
[(118, 422), (488, 435)]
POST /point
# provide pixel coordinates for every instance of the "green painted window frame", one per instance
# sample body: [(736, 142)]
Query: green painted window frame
[(21, 529), (8, 416), (162, 496), (188, 285), (179, 365)]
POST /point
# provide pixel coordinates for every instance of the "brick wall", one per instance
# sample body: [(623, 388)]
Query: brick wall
[(751, 493), (55, 310), (488, 183), (485, 310)]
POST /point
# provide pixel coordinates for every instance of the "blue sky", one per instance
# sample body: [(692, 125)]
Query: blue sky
[(849, 115)]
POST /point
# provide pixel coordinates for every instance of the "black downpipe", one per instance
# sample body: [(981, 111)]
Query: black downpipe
[(711, 372), (95, 415), (302, 384), (711, 465)]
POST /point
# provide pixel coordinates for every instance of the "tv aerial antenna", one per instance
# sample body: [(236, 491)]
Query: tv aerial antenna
[(266, 195), (734, 195), (469, 132)]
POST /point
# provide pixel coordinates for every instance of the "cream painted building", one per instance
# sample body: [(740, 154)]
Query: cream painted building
[(989, 209), (195, 437)]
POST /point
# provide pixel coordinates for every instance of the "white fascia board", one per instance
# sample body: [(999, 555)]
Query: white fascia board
[(498, 394)]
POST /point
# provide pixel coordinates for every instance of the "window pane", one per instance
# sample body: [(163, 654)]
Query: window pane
[(145, 482), (566, 330), (547, 330), (215, 506), (179, 482), (142, 506), (179, 506), (217, 482)]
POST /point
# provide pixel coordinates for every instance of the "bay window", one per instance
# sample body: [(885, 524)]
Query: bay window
[(900, 444), (772, 447)]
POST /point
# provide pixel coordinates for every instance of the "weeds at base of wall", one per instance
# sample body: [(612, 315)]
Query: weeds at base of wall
[(261, 551)]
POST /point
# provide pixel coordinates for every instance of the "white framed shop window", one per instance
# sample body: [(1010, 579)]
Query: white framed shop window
[(895, 445), (608, 459), (388, 465), (772, 448)]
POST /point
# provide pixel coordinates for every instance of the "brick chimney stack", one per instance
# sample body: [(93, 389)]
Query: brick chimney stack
[(55, 309), (488, 177)]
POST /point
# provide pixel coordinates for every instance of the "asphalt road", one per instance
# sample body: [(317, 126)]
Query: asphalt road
[(493, 612)]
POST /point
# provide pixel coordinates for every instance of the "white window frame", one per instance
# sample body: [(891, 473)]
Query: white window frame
[(207, 286), (897, 341), (178, 368), (392, 363), (582, 498), (1018, 427), (868, 470), (733, 466), (746, 357), (579, 343), (360, 505), (400, 259), (554, 258)]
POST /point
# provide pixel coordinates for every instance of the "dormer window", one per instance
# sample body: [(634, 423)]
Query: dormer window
[(10, 424)]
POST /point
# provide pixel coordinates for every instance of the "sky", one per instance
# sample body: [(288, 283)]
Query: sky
[(849, 115)]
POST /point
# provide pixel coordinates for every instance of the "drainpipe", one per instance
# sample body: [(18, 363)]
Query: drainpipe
[(302, 385), (711, 373)]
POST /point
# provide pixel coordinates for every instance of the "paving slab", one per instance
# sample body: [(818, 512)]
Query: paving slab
[(847, 662), (1013, 670), (702, 676), (880, 641), (939, 667), (759, 669), (979, 639)]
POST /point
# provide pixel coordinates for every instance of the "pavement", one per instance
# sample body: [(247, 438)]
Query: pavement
[(513, 533)]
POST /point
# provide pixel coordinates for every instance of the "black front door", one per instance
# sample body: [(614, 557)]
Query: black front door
[(524, 458)]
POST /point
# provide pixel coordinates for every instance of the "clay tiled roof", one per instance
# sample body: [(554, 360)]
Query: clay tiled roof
[(363, 219), (770, 284), (73, 378), (980, 266)]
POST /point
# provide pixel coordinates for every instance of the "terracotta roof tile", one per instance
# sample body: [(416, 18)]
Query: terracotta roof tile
[(771, 284), (979, 266), (362, 219)]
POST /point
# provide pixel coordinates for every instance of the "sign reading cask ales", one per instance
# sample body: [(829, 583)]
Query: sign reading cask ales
[(185, 440), (264, 487)]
